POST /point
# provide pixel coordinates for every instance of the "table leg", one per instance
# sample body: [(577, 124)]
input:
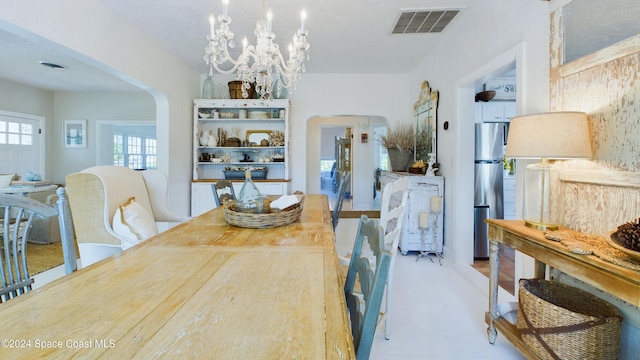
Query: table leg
[(494, 270), (540, 270)]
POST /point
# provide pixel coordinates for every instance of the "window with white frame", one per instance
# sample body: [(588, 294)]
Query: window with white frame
[(16, 133), (136, 152)]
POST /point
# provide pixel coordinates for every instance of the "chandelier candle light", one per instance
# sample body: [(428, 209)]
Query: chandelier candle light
[(553, 135), (262, 63)]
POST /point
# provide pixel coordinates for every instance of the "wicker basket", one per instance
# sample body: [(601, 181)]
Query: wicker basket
[(557, 321), (261, 221), (235, 90)]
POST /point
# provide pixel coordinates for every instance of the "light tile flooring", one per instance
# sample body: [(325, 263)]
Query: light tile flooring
[(437, 313)]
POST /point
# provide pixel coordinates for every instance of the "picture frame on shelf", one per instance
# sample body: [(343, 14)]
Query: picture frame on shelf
[(74, 133)]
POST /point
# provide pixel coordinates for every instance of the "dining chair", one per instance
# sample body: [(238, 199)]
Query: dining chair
[(19, 213), (371, 285), (392, 213), (223, 192), (342, 189)]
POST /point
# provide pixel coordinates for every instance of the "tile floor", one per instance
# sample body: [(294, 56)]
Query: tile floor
[(437, 313)]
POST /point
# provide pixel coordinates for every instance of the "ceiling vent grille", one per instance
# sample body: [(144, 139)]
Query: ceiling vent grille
[(423, 21)]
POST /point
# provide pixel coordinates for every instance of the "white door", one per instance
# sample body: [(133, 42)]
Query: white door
[(20, 144)]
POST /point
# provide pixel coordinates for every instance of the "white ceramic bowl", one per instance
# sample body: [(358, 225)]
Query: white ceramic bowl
[(216, 160), (204, 115), (5, 180)]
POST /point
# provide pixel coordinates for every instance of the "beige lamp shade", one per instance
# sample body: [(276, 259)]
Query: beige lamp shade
[(552, 135)]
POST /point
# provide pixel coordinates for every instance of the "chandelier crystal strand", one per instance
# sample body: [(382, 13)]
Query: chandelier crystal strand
[(261, 64)]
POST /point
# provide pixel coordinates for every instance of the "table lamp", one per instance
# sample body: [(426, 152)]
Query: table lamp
[(545, 136)]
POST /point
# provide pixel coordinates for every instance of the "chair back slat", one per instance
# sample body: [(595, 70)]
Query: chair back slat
[(15, 223), (67, 233), (342, 189), (223, 192), (364, 305), (392, 213)]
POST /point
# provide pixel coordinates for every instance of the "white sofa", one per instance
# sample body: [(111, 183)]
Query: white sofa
[(94, 196)]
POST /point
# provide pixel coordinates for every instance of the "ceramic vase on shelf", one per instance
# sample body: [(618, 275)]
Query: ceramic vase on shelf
[(212, 141), (204, 137)]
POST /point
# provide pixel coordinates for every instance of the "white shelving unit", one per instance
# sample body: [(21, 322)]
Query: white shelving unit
[(238, 123)]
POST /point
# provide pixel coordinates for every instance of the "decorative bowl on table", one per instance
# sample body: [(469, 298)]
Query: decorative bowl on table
[(615, 242)]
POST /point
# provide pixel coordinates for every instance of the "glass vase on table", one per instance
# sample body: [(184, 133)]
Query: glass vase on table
[(250, 200)]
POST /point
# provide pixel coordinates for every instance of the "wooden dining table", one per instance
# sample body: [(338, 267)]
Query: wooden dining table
[(202, 289)]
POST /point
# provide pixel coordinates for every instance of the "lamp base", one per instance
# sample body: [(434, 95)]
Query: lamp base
[(540, 225)]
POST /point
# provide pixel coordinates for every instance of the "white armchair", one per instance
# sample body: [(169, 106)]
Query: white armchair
[(94, 196)]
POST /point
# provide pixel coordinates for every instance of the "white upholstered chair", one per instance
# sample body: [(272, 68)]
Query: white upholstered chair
[(97, 192)]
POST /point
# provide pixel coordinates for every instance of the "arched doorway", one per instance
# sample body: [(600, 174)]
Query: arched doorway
[(365, 154)]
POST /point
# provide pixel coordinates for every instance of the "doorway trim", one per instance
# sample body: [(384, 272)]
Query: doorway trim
[(463, 199)]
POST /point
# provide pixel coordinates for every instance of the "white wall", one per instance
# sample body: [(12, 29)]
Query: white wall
[(385, 95), (92, 107), (328, 143), (485, 31)]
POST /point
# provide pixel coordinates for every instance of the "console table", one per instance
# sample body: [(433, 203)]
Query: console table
[(618, 281)]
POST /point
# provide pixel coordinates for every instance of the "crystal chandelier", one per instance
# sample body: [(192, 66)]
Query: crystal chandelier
[(261, 64)]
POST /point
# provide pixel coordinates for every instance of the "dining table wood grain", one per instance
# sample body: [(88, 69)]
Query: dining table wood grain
[(201, 290)]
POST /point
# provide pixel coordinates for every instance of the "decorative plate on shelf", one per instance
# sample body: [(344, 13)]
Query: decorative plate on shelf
[(615, 243)]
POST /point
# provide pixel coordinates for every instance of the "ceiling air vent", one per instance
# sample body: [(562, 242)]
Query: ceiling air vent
[(423, 21)]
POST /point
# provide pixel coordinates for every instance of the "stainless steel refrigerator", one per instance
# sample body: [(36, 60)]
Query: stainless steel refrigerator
[(489, 150)]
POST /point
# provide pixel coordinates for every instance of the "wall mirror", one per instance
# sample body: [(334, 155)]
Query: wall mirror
[(591, 25), (425, 111)]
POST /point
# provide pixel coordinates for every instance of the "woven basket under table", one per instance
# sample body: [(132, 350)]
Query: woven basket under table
[(261, 221), (557, 321)]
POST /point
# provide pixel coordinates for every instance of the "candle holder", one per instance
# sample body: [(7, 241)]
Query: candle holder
[(423, 225), (430, 220)]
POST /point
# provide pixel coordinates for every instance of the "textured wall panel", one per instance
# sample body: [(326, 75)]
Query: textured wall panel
[(605, 85)]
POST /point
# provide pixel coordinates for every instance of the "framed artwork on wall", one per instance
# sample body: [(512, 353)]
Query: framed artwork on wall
[(75, 133)]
